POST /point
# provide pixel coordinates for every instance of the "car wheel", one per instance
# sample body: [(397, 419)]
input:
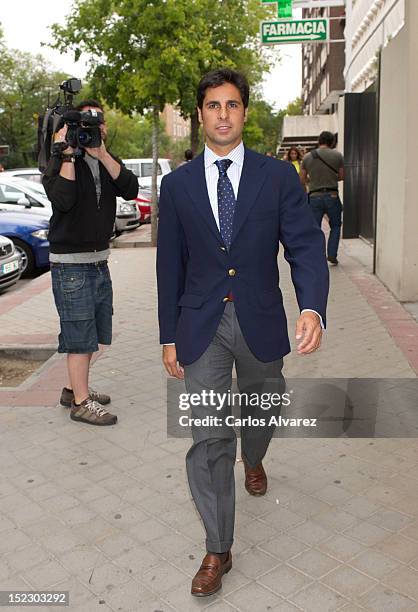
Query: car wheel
[(28, 260)]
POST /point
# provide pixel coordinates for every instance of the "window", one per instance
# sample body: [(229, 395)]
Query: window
[(11, 195), (36, 178), (146, 169), (133, 168)]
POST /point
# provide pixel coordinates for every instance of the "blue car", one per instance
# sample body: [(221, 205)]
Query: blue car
[(29, 232)]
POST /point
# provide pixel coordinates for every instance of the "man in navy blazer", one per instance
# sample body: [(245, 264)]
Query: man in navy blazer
[(221, 219)]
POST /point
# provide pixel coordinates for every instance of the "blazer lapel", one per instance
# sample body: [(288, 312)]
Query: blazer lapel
[(197, 188), (252, 178)]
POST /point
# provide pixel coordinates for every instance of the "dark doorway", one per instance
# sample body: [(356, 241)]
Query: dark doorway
[(360, 164)]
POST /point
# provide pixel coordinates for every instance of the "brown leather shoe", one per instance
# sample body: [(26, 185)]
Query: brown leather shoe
[(255, 479), (208, 579)]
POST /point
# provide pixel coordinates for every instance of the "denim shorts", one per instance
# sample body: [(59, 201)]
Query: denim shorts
[(83, 297)]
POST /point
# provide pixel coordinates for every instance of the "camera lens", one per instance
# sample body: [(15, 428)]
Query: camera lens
[(84, 138)]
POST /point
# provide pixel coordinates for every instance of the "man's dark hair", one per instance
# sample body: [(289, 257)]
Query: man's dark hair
[(188, 155), (326, 138), (215, 78), (89, 102)]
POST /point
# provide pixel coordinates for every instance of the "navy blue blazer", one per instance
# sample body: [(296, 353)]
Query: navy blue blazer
[(193, 265)]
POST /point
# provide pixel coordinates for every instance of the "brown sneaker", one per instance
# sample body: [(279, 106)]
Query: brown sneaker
[(67, 397), (91, 412), (208, 579)]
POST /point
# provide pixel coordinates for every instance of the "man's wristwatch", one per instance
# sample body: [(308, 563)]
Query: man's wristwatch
[(68, 158), (58, 148)]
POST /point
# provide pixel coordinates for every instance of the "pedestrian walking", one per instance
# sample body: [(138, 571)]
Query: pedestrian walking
[(294, 157), (221, 219), (188, 156), (321, 170), (83, 193)]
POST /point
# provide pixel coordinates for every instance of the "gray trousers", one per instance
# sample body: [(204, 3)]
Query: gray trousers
[(210, 461)]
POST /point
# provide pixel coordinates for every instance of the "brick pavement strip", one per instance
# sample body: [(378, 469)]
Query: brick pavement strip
[(108, 515)]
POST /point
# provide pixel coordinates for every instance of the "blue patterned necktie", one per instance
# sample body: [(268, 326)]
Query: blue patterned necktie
[(226, 201)]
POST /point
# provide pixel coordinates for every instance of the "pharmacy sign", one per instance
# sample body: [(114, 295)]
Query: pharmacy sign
[(285, 31)]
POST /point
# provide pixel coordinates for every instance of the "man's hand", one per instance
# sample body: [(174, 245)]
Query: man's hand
[(102, 154), (170, 362), (308, 329), (60, 136), (98, 152)]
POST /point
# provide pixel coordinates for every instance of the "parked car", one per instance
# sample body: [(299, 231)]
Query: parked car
[(142, 168), (17, 193), (30, 174), (143, 202), (127, 216), (29, 234), (10, 263)]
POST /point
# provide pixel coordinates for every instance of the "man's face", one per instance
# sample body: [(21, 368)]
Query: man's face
[(223, 116), (103, 126)]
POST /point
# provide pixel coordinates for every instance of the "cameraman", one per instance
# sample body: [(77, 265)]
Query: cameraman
[(83, 192)]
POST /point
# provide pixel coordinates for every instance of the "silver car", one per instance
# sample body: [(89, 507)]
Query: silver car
[(10, 263), (127, 216), (20, 193)]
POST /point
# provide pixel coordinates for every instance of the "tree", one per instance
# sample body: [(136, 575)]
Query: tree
[(295, 107), (232, 31), (131, 137), (149, 53), (140, 52), (261, 131), (27, 80)]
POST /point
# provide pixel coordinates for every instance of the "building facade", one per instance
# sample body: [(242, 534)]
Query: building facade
[(176, 126), (370, 26), (323, 65)]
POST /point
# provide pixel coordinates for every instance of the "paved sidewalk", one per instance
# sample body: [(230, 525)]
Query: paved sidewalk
[(106, 513)]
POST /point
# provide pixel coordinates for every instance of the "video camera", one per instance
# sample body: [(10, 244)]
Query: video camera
[(83, 127)]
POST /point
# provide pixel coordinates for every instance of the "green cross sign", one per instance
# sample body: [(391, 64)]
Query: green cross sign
[(284, 7)]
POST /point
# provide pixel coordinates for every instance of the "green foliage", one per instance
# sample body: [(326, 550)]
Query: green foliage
[(295, 107), (132, 136), (261, 129), (26, 82), (141, 50), (147, 53)]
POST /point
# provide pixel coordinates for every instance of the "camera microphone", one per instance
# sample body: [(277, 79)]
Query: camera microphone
[(72, 116)]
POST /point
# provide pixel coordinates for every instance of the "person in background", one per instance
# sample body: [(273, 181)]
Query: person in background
[(321, 170), (83, 191), (188, 156), (1, 168), (294, 157)]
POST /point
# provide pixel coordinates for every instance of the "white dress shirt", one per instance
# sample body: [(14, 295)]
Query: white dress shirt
[(234, 175), (212, 174)]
